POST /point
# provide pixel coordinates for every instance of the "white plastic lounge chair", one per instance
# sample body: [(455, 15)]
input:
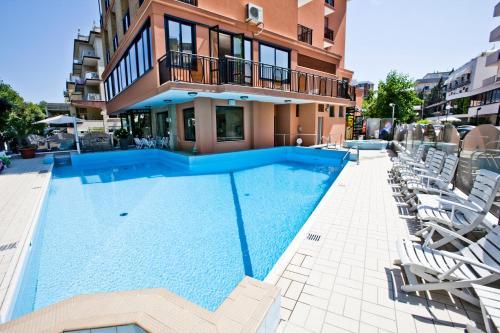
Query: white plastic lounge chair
[(416, 156), (460, 215), (432, 169), (147, 143), (452, 272), (489, 299), (164, 143), (409, 165), (430, 184), (138, 143)]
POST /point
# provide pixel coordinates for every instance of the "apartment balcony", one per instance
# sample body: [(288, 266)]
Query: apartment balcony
[(192, 68), (89, 58), (190, 2), (329, 7), (328, 38), (304, 34), (92, 79), (301, 3), (493, 59), (495, 35), (93, 97)]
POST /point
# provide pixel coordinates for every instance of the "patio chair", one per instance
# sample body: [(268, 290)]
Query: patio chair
[(430, 184), (415, 171), (147, 143), (489, 299), (453, 272), (165, 143), (406, 163), (416, 156), (462, 216), (138, 143)]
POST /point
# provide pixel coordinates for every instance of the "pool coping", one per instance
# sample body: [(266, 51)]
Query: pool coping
[(21, 257)]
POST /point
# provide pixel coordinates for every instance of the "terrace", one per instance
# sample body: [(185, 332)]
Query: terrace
[(192, 68)]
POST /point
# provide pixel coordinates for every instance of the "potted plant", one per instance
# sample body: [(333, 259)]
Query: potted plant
[(28, 151), (122, 136)]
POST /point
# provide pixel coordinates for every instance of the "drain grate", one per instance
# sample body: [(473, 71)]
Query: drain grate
[(6, 247), (313, 237)]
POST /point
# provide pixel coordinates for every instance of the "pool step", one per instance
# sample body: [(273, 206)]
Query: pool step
[(62, 159)]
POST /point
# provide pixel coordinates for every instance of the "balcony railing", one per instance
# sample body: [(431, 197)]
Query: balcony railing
[(328, 33), (88, 53), (304, 34), (330, 2), (92, 76), (192, 68), (190, 2), (93, 97)]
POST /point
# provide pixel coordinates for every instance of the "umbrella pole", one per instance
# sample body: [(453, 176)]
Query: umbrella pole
[(76, 136)]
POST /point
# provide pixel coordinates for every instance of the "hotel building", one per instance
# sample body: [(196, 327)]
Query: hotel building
[(220, 75), (84, 94)]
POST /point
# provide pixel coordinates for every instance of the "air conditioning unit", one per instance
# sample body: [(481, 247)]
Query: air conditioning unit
[(255, 14)]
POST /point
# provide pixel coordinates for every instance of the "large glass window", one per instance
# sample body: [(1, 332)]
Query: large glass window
[(229, 123), (276, 63), (189, 125), (180, 36), (162, 125), (136, 61)]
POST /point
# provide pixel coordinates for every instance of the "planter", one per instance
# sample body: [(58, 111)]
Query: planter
[(124, 144), (27, 152)]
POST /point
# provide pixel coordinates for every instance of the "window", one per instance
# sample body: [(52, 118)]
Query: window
[(115, 42), (140, 2), (126, 21), (136, 61), (331, 111), (181, 37), (341, 111), (297, 110), (229, 123), (276, 63), (189, 124)]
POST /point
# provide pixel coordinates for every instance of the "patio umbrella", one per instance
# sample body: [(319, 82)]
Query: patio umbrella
[(61, 120)]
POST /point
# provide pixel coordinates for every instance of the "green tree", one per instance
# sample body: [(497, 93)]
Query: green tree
[(399, 89)]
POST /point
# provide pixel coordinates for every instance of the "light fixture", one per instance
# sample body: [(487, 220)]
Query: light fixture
[(231, 102), (192, 93), (167, 100), (288, 100), (244, 98)]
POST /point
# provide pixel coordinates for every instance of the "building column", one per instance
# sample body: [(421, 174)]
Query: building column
[(263, 125), (204, 125)]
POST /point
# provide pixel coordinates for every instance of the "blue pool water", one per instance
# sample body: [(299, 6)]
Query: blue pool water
[(155, 223)]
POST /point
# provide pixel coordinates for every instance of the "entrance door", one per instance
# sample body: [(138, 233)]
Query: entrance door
[(319, 137)]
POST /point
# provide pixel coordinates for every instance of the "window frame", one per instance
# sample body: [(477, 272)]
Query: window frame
[(225, 107), (275, 47), (185, 124)]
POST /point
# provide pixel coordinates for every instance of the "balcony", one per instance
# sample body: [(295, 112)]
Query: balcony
[(93, 97), (191, 68), (304, 34), (190, 2), (329, 7), (493, 59), (92, 76)]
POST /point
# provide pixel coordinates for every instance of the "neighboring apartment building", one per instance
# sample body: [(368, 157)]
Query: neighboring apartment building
[(365, 87), (222, 75), (84, 89), (424, 85)]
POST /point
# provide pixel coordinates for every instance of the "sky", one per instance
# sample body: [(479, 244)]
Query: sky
[(415, 37), (410, 36)]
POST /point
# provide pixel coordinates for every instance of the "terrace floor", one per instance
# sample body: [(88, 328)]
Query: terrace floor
[(21, 189), (346, 282)]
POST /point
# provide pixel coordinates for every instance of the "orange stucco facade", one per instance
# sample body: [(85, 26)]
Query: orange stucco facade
[(312, 80)]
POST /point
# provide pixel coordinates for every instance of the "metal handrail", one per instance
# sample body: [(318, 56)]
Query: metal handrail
[(193, 68)]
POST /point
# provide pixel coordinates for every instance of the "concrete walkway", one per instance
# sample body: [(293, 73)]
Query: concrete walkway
[(345, 282), (22, 187)]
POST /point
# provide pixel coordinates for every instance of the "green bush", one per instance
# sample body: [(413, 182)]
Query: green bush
[(6, 161), (121, 133)]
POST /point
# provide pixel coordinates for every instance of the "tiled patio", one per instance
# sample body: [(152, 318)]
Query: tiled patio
[(346, 282), (21, 189)]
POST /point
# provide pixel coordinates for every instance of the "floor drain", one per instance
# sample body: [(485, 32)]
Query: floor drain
[(247, 194), (6, 247), (313, 237), (123, 214)]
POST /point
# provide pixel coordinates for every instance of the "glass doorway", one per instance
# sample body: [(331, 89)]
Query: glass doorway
[(162, 125)]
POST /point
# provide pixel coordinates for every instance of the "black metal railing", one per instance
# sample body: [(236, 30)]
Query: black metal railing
[(330, 2), (190, 2), (192, 68), (328, 33), (304, 34)]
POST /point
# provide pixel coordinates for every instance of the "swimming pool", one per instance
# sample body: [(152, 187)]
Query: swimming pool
[(149, 219)]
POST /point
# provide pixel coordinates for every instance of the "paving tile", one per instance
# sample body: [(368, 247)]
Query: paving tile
[(283, 284), (300, 314), (288, 303), (378, 321), (315, 320), (294, 290), (339, 321), (314, 301), (352, 308)]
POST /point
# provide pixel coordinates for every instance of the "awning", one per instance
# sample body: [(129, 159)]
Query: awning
[(64, 119)]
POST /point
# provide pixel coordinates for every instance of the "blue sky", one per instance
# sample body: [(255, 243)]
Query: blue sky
[(411, 36)]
